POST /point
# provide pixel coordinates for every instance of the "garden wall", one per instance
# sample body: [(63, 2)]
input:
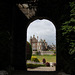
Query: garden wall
[(43, 52)]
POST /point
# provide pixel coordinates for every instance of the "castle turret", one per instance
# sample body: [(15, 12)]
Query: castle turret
[(44, 41), (37, 38), (30, 39), (33, 36)]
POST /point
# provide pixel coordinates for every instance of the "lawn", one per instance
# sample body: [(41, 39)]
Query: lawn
[(49, 58)]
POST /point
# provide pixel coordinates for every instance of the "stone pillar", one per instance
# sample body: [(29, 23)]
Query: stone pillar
[(20, 32)]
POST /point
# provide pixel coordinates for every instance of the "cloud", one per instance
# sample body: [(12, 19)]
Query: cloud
[(44, 29)]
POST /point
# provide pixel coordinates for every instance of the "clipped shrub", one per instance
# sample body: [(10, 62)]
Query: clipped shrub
[(44, 60), (54, 64), (54, 53), (35, 59), (48, 64), (36, 53), (35, 65), (28, 51)]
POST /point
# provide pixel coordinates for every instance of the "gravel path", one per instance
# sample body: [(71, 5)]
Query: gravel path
[(42, 69)]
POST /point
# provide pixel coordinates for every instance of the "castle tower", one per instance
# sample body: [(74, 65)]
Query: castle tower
[(33, 36), (30, 39), (44, 41), (37, 39)]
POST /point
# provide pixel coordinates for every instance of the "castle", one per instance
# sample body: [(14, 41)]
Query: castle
[(38, 45)]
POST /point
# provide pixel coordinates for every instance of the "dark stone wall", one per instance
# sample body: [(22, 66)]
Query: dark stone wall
[(19, 38), (5, 28), (12, 36), (14, 23)]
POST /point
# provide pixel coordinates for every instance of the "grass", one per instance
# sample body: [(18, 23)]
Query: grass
[(49, 58)]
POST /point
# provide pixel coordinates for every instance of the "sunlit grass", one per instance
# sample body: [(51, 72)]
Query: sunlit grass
[(49, 58)]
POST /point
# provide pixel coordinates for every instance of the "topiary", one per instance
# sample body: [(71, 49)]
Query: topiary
[(28, 51), (35, 59), (44, 60), (48, 64)]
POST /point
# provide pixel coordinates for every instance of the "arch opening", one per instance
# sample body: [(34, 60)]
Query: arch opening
[(41, 46)]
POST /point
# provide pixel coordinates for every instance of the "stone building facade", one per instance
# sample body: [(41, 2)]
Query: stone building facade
[(38, 45)]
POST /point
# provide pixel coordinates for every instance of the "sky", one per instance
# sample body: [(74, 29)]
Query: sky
[(44, 29)]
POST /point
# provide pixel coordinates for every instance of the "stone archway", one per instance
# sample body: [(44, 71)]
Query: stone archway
[(46, 26), (51, 16)]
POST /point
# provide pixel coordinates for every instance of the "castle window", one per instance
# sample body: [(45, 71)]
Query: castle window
[(33, 44), (43, 43), (39, 47), (38, 44), (34, 48)]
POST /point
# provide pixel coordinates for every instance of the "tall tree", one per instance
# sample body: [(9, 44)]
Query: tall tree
[(69, 39)]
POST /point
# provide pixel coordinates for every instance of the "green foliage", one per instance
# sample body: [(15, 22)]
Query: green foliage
[(35, 65), (37, 53), (35, 59), (69, 29), (51, 50), (68, 33), (54, 53), (28, 55), (72, 5)]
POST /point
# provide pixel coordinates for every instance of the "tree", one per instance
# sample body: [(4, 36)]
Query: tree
[(68, 33), (28, 51)]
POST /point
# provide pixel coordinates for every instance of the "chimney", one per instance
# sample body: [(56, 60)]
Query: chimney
[(37, 38), (30, 37), (33, 36), (44, 41)]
